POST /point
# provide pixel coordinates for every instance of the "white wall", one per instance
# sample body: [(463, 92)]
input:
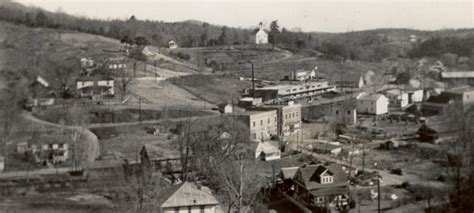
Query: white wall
[(373, 107)]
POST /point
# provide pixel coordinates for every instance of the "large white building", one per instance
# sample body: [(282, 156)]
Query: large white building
[(375, 104), (260, 36)]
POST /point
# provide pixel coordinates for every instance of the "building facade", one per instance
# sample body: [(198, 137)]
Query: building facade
[(263, 125), (259, 35), (95, 86), (187, 197), (345, 114), (292, 90), (375, 104)]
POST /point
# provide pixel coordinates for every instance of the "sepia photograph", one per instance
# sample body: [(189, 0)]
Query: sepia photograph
[(237, 106)]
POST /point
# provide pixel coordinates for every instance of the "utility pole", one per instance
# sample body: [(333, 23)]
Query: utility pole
[(139, 107), (378, 193), (253, 81)]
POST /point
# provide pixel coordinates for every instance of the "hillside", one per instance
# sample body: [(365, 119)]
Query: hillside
[(52, 54)]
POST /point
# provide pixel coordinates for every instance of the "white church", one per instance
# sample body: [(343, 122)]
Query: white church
[(259, 35)]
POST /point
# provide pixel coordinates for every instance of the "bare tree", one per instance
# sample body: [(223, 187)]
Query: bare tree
[(138, 187), (125, 81), (460, 155), (228, 162)]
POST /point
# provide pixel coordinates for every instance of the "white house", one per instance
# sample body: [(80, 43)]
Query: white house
[(172, 44), (267, 151), (375, 104), (187, 197), (397, 98), (225, 108), (92, 86), (260, 36)]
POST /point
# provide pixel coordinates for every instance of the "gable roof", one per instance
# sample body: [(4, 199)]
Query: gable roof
[(289, 172), (186, 194), (256, 30), (339, 176), (371, 97)]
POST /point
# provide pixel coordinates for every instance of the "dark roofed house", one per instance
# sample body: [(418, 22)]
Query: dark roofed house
[(320, 185), (187, 197)]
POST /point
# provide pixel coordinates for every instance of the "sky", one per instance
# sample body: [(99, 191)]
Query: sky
[(307, 15)]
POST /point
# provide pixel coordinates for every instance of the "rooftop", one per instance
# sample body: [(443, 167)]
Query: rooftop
[(458, 74), (460, 89), (95, 78), (186, 194), (289, 172), (339, 176), (370, 97)]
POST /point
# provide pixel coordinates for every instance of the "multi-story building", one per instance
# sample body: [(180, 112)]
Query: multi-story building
[(462, 96), (289, 117), (292, 90), (263, 125)]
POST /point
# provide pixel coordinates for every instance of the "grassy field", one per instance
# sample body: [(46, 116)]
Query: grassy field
[(213, 88), (166, 94)]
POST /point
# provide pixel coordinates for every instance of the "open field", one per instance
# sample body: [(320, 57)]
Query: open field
[(165, 94), (213, 88)]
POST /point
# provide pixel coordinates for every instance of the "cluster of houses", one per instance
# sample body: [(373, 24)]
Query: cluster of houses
[(44, 150)]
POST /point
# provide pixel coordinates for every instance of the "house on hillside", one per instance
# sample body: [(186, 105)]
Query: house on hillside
[(187, 197), (267, 151), (259, 35), (413, 38), (95, 87), (374, 103), (172, 44), (86, 63), (41, 93), (116, 63), (320, 185), (225, 108)]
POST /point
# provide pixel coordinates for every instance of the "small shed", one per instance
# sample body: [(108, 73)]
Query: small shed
[(267, 151), (225, 108)]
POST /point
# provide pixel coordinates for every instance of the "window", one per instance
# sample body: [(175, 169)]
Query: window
[(201, 209), (337, 112), (268, 121), (286, 116), (296, 114), (254, 124), (348, 112), (261, 122), (176, 209)]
